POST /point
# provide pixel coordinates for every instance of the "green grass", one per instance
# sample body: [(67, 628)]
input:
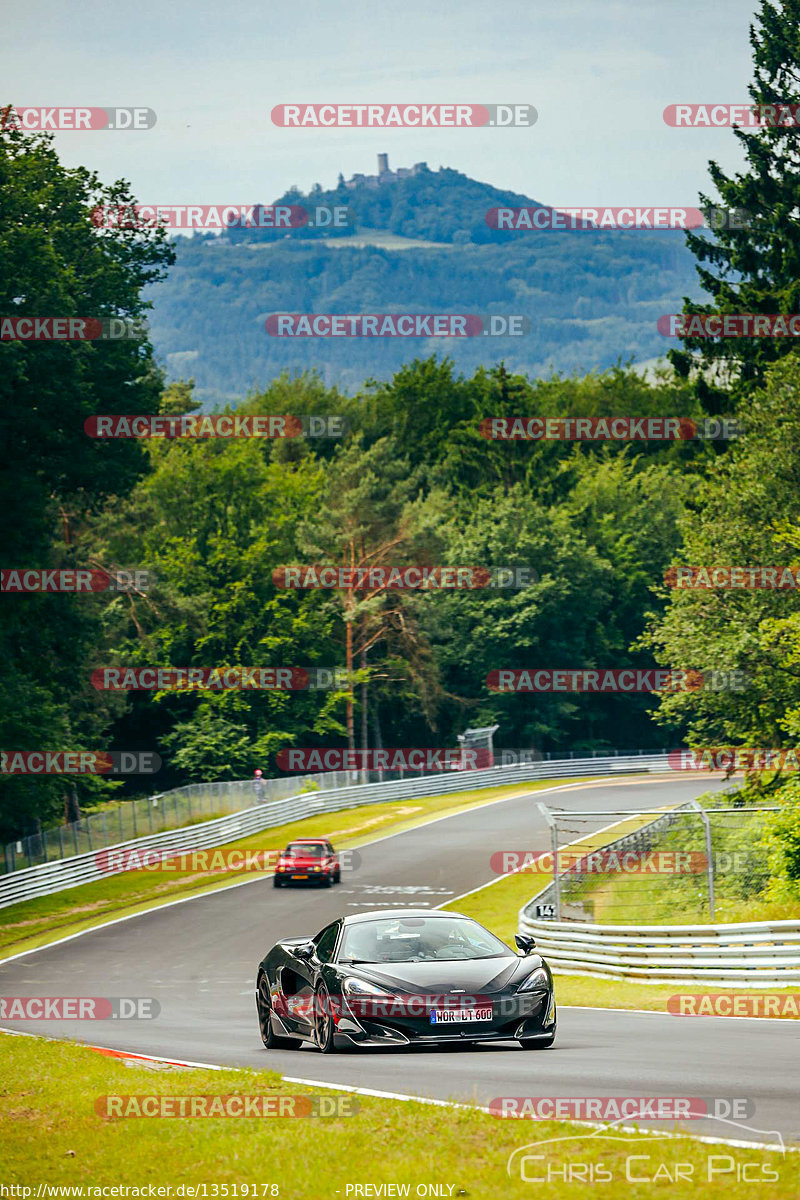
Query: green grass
[(34, 923), (52, 1134)]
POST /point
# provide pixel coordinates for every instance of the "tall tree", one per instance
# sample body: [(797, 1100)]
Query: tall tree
[(55, 262), (752, 265)]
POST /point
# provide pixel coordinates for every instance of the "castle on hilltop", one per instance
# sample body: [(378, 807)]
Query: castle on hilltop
[(384, 174)]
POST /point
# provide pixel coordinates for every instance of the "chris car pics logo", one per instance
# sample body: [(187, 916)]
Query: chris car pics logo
[(617, 1153)]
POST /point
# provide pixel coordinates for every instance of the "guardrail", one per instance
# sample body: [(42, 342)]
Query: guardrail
[(751, 954), (63, 873)]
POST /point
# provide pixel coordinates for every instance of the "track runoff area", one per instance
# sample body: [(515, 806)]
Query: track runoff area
[(196, 960)]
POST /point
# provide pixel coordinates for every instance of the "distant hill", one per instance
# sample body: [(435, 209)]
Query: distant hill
[(592, 297), (438, 206)]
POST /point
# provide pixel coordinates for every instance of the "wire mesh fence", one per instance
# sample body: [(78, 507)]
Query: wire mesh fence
[(155, 814), (691, 864), (204, 801)]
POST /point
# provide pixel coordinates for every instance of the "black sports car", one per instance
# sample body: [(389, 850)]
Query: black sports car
[(394, 978)]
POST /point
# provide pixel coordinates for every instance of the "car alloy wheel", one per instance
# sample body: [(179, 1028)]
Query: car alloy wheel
[(323, 1020)]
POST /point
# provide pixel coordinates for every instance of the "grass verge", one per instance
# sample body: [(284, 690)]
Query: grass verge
[(54, 1136), (34, 923)]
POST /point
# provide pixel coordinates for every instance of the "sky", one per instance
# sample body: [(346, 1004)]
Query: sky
[(599, 72)]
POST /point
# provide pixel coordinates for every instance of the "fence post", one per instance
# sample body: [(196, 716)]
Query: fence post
[(709, 855), (556, 886)]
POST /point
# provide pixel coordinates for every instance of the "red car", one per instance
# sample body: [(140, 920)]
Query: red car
[(308, 860)]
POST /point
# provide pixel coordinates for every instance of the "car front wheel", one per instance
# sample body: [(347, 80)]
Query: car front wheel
[(323, 1020), (537, 1043)]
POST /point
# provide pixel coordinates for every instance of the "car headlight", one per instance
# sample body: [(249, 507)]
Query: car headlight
[(537, 981), (359, 987), (316, 868)]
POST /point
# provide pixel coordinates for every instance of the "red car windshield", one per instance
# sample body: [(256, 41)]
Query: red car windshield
[(306, 850)]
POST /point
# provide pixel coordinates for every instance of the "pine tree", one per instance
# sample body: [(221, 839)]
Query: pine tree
[(753, 263)]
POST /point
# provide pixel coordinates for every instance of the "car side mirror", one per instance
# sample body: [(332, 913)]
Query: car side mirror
[(304, 950), (524, 942)]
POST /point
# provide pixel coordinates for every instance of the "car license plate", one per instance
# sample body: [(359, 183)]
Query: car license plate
[(454, 1016), (299, 877)]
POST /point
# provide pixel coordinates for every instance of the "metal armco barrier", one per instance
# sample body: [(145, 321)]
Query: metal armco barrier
[(65, 873), (755, 954)]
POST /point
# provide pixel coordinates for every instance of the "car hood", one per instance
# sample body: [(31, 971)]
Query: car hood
[(479, 975), (303, 861)]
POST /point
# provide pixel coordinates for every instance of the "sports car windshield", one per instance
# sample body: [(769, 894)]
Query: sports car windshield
[(419, 939)]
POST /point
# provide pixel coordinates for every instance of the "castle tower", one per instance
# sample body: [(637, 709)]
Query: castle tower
[(383, 163)]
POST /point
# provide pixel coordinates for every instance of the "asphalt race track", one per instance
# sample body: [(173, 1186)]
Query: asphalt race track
[(198, 959)]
